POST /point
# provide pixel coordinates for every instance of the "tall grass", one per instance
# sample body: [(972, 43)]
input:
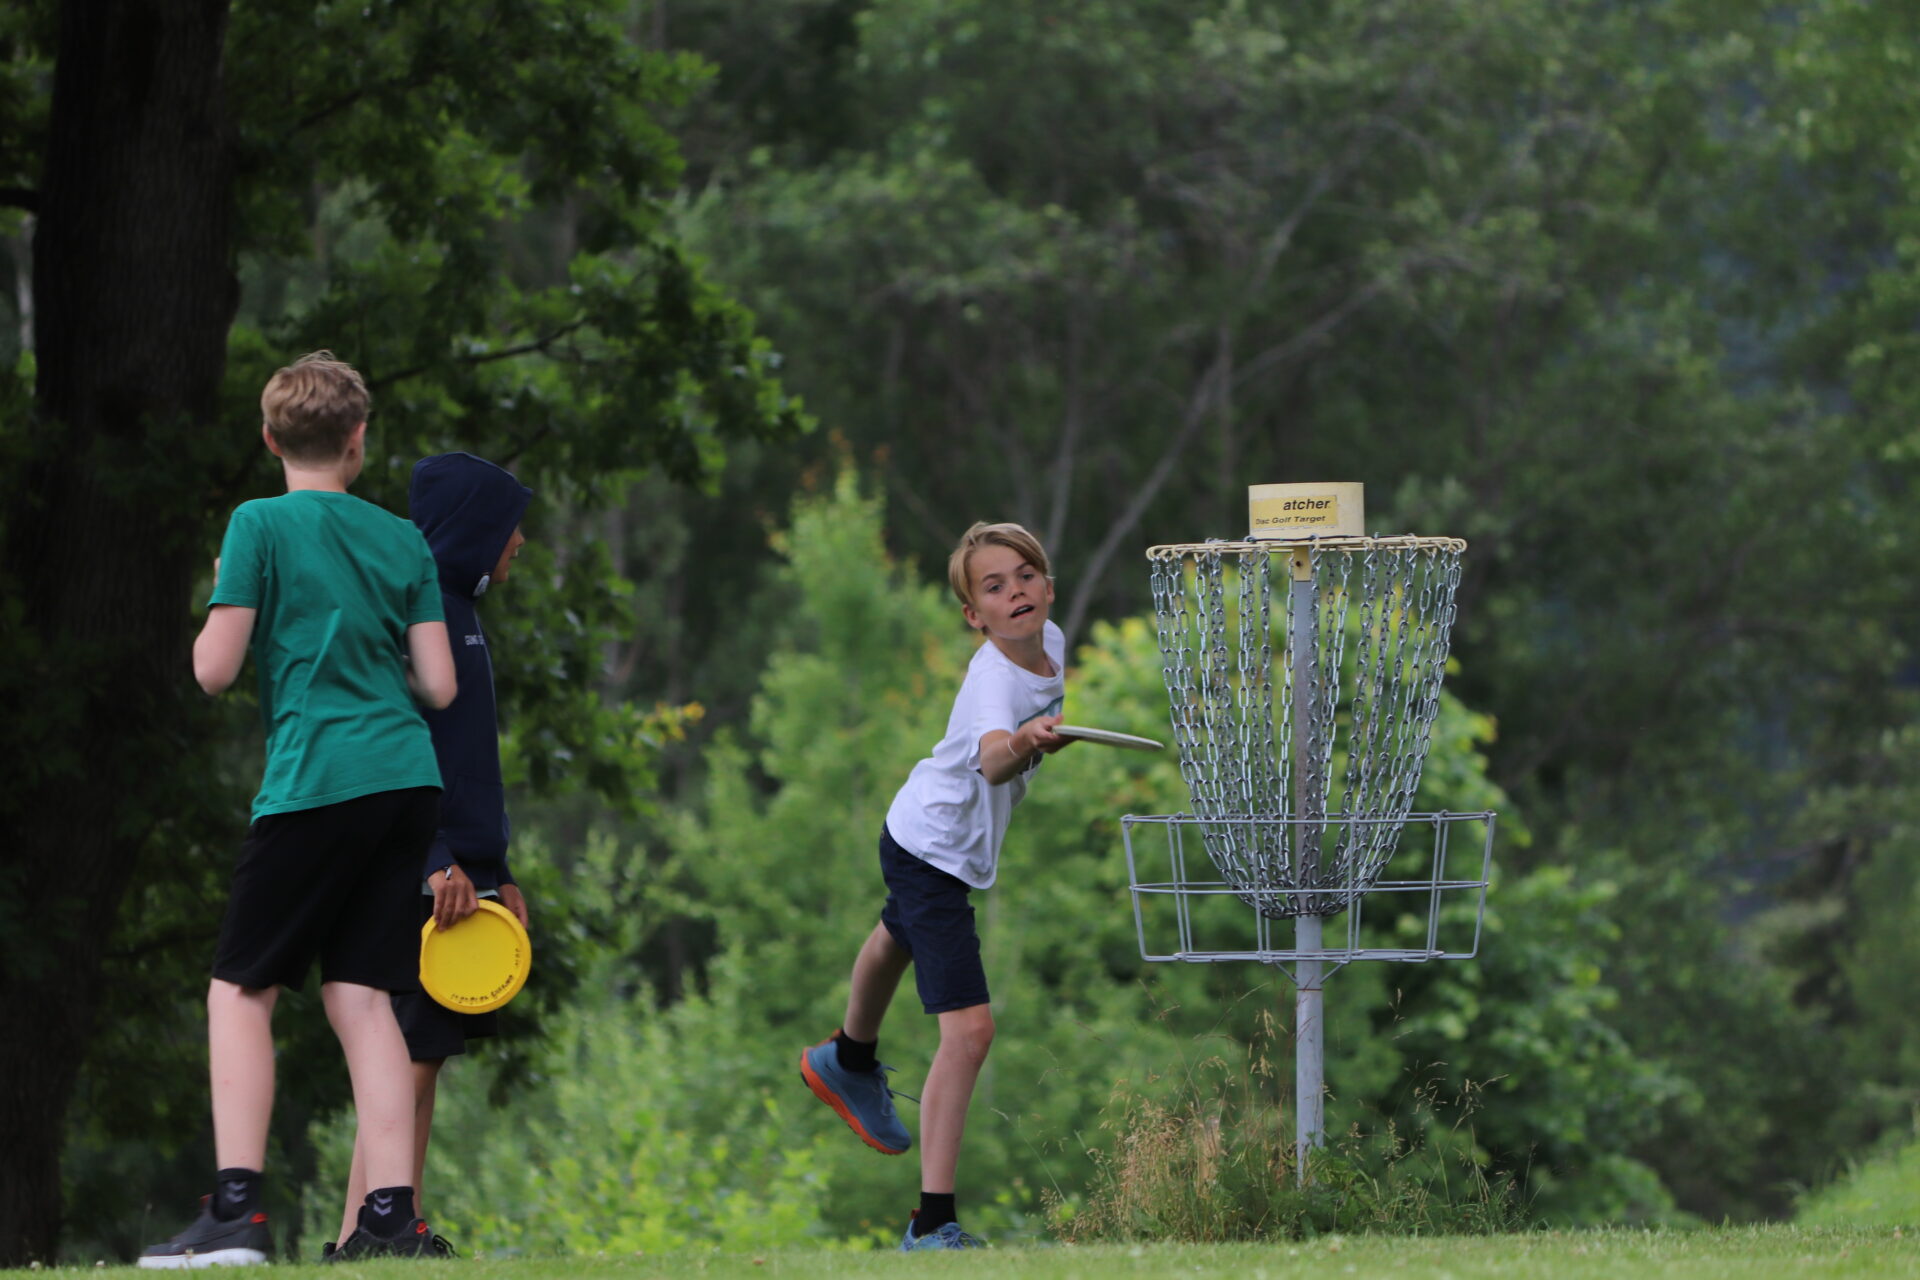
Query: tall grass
[(1882, 1190), (1207, 1155)]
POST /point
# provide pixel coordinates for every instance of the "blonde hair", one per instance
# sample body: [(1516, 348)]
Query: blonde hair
[(313, 405), (983, 534)]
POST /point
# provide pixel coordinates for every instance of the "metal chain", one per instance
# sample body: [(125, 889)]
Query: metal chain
[(1377, 621)]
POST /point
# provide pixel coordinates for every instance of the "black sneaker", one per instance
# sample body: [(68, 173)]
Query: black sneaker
[(443, 1248), (209, 1242), (415, 1241)]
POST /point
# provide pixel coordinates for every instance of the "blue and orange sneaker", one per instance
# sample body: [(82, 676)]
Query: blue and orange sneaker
[(946, 1236), (861, 1098)]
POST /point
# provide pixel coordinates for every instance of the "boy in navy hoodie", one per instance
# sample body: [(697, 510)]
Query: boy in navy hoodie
[(470, 511)]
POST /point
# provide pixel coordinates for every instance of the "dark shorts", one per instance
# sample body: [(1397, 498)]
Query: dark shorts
[(930, 914), (434, 1031), (339, 883)]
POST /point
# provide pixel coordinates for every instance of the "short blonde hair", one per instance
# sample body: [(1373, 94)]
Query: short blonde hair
[(984, 534), (313, 405)]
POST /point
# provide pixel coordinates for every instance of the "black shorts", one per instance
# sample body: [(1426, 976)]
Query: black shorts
[(930, 914), (338, 883), (434, 1031)]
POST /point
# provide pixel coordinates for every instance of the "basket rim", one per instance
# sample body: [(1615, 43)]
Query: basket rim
[(1316, 542)]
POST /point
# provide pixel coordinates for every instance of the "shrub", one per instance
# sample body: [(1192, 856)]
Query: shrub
[(1212, 1159)]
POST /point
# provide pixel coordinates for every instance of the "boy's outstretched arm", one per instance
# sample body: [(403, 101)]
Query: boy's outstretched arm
[(1004, 756), (430, 674), (221, 647)]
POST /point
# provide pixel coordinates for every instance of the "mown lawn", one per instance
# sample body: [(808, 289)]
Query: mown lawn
[(1761, 1253)]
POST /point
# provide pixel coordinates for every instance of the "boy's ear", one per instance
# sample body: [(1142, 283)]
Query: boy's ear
[(266, 435), (973, 619), (357, 437)]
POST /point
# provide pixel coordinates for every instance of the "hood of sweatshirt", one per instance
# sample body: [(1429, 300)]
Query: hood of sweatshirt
[(467, 507)]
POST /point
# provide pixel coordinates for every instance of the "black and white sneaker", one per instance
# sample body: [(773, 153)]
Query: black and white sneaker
[(414, 1241), (209, 1242)]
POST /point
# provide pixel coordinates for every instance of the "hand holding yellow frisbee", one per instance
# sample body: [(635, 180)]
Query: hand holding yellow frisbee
[(478, 964)]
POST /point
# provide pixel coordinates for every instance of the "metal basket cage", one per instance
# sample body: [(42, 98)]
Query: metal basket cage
[(1184, 911)]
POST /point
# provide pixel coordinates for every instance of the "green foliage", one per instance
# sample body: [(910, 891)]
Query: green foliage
[(631, 1136), (1882, 1190)]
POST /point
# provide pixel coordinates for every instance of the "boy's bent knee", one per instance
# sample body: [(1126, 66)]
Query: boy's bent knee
[(969, 1030)]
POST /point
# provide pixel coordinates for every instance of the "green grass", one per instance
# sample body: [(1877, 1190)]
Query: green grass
[(1881, 1192), (1760, 1253)]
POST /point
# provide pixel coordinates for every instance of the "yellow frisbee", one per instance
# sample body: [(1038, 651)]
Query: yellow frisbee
[(478, 964)]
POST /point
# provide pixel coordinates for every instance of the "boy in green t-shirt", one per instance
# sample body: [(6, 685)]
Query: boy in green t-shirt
[(340, 604)]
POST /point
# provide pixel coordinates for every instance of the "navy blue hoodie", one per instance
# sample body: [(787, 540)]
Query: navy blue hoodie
[(468, 509)]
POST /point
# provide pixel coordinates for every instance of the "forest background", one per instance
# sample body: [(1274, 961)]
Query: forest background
[(768, 299)]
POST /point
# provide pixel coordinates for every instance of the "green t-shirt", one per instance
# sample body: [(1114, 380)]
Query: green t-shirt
[(337, 582)]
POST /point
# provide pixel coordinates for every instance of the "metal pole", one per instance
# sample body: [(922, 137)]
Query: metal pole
[(1309, 1048), (1309, 1043)]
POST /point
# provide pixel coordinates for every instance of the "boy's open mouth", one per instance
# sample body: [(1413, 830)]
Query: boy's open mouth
[(1023, 609)]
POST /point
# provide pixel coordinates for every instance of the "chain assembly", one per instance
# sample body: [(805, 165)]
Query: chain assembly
[(1303, 679)]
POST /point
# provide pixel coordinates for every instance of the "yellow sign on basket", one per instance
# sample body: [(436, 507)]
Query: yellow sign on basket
[(1306, 510)]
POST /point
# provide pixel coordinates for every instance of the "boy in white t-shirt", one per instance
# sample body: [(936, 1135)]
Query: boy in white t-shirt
[(941, 841)]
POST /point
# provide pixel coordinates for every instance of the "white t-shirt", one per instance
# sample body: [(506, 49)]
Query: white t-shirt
[(947, 813)]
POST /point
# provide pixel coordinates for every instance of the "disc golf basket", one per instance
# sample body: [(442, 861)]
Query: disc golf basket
[(1303, 670)]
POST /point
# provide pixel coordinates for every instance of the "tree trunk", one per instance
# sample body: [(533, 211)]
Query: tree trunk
[(133, 295)]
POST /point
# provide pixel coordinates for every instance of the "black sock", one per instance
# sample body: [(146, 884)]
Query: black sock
[(936, 1211), (387, 1211), (856, 1055), (236, 1193)]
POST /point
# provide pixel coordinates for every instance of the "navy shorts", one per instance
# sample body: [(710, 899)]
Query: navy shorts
[(930, 914)]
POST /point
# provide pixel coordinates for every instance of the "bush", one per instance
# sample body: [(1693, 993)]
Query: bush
[(1215, 1161), (627, 1138)]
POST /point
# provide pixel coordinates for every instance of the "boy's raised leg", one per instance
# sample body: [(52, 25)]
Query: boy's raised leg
[(877, 971), (860, 1095)]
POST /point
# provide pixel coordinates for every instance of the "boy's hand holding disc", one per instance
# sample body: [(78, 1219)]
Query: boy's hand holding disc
[(454, 898), (1041, 730), (513, 900)]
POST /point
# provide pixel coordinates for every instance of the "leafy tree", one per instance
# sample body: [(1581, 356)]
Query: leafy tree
[(1845, 138), (213, 190), (1607, 289)]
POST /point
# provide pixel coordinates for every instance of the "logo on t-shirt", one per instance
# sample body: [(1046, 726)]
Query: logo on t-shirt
[(1051, 709), (476, 640)]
